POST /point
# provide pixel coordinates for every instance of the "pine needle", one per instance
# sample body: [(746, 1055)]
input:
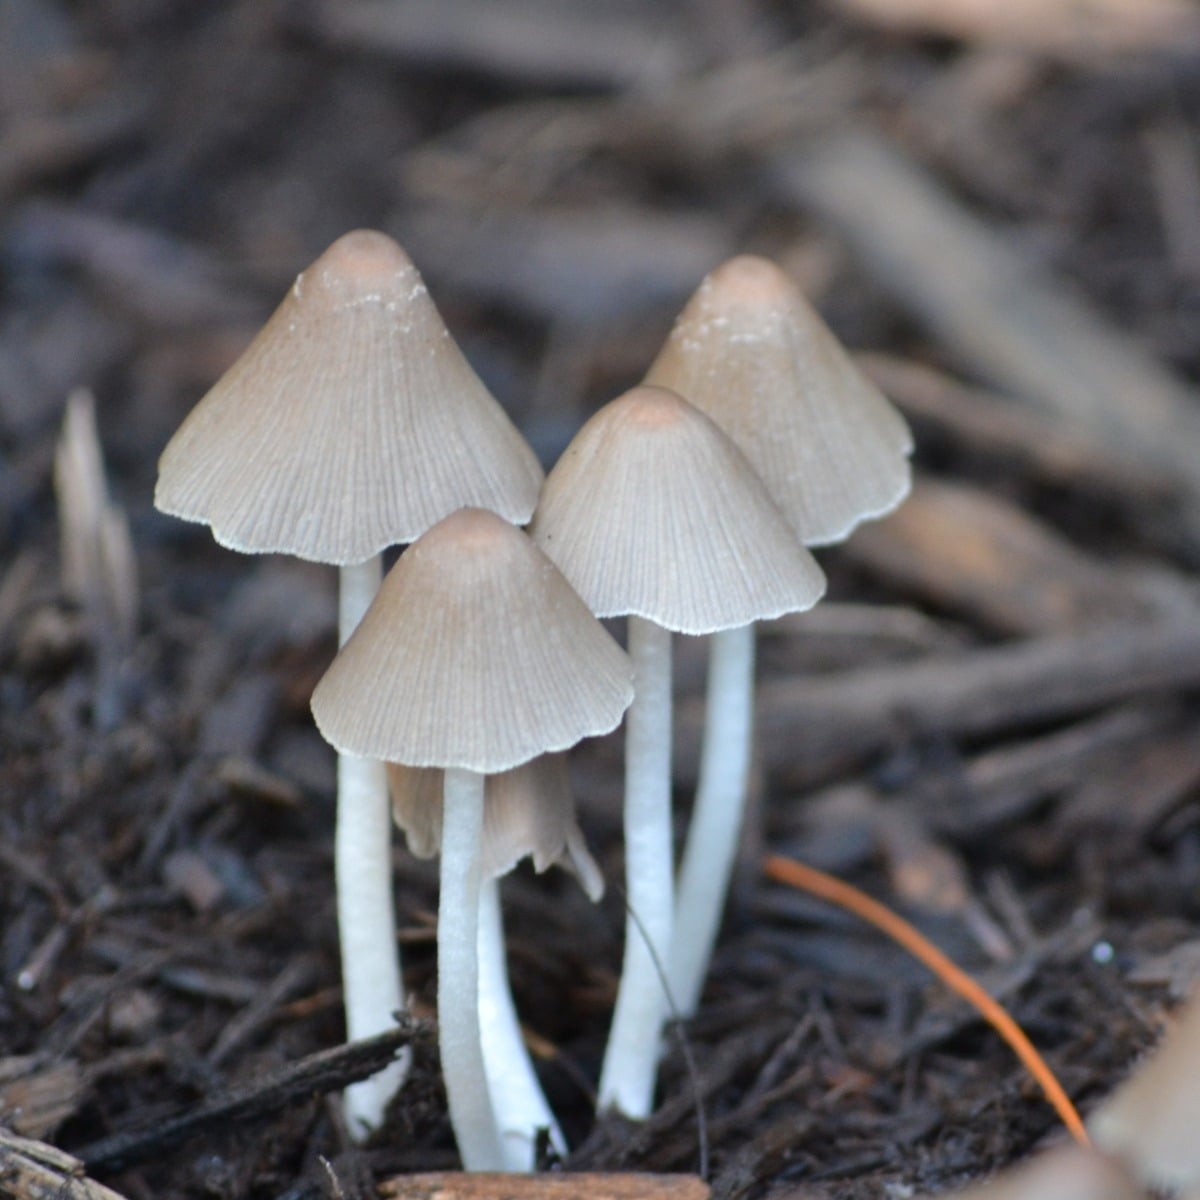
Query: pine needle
[(817, 883)]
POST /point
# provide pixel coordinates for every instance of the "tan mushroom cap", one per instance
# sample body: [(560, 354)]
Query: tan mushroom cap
[(1065, 1173), (1152, 1120), (476, 653), (527, 811), (653, 512), (351, 422), (753, 354)]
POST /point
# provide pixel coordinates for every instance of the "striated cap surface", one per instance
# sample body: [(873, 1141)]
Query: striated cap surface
[(527, 811), (753, 354), (652, 511), (352, 422), (476, 653)]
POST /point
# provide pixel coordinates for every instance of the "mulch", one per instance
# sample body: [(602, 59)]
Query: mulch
[(991, 724)]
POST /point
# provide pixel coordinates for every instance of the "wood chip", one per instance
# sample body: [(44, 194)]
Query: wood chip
[(568, 1186), (985, 559), (998, 432), (35, 1104), (31, 1170)]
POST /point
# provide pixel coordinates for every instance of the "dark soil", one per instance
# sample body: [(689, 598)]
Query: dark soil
[(168, 956)]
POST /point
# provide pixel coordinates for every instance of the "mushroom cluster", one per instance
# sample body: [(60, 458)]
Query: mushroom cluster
[(352, 423)]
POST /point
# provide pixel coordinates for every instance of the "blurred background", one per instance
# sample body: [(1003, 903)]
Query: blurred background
[(565, 173)]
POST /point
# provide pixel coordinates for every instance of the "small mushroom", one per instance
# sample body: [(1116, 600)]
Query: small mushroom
[(350, 423), (654, 514), (1150, 1121), (476, 656), (750, 352), (526, 811)]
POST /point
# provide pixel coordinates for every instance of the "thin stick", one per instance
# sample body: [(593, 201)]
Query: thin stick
[(817, 883)]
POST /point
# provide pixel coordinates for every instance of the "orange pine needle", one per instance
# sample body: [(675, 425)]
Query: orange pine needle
[(809, 879)]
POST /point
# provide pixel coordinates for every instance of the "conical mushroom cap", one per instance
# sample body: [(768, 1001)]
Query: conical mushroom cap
[(1065, 1173), (1152, 1121), (352, 422), (526, 811), (475, 653), (652, 511), (754, 355)]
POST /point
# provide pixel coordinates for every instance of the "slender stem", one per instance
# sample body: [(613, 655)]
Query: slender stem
[(357, 585), (471, 1112), (631, 1060), (517, 1097), (712, 839), (366, 917)]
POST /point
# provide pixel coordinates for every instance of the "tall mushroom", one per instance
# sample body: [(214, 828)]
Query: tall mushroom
[(750, 352), (475, 657), (352, 422), (526, 811), (654, 514)]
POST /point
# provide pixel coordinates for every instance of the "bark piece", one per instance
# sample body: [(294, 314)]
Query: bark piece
[(450, 1185), (32, 1170)]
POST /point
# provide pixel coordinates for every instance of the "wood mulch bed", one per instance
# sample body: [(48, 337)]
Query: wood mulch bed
[(991, 724)]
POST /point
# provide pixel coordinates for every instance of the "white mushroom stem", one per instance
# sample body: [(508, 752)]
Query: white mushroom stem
[(631, 1059), (517, 1098), (371, 981), (716, 824), (463, 1069)]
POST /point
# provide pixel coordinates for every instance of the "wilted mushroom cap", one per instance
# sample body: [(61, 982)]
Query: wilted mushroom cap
[(1152, 1120), (476, 653), (351, 422), (753, 354), (653, 511), (1065, 1173), (527, 811)]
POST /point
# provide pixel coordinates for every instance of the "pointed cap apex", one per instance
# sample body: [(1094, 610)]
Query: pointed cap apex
[(352, 422), (752, 354), (653, 512), (751, 279), (475, 653)]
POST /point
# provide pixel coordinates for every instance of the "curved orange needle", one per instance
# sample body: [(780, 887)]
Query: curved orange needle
[(809, 879)]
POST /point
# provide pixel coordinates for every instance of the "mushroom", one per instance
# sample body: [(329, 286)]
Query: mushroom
[(475, 656), (750, 352), (1150, 1121), (1065, 1173), (526, 811), (654, 514), (351, 422)]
